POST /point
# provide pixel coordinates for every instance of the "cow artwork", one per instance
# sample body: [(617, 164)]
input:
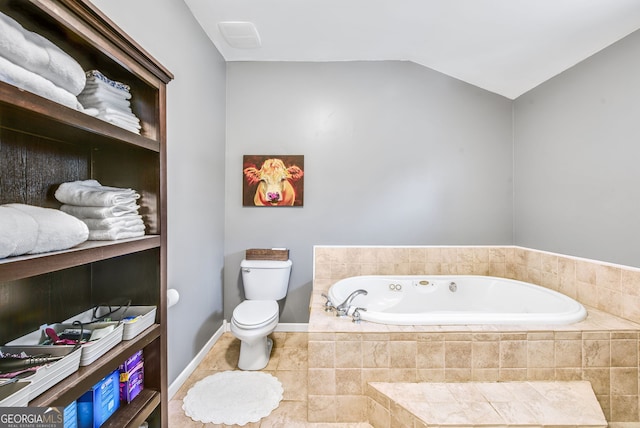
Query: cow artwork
[(277, 182)]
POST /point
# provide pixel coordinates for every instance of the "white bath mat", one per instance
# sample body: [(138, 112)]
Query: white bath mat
[(233, 397)]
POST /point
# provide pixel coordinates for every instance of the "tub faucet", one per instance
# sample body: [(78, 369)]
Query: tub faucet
[(343, 308), (328, 305)]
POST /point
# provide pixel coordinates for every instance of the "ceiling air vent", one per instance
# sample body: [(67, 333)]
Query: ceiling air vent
[(241, 35)]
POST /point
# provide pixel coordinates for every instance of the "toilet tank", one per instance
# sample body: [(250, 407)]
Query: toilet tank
[(265, 279)]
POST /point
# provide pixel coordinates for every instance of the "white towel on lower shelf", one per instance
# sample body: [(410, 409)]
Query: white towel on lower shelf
[(117, 121), (116, 233), (90, 193), (113, 222), (100, 212), (18, 232), (56, 230)]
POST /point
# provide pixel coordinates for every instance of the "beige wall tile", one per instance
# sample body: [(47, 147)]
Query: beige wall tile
[(457, 375), (375, 353), (624, 353), (485, 355), (630, 282), (349, 382), (540, 353), (596, 353), (377, 415), (321, 354), (605, 404), (534, 373), (585, 271), (457, 354), (568, 353), (600, 379), (430, 355), (485, 375), (513, 353), (321, 408), (348, 354), (608, 277), (624, 381), (321, 381), (402, 354), (624, 408), (403, 375), (351, 408), (400, 417), (568, 374), (515, 374), (430, 375)]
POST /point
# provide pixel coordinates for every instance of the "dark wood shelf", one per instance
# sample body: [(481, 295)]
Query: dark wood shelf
[(55, 121), (134, 413), (81, 381), (19, 267), (44, 144)]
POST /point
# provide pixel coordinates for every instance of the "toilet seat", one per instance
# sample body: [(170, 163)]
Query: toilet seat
[(255, 313)]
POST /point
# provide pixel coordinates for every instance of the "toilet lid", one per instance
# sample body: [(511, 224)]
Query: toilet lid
[(255, 313)]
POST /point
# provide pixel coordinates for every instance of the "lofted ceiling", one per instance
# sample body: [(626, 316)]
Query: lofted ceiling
[(504, 46)]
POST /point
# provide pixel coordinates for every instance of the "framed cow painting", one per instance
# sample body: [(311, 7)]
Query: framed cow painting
[(272, 180)]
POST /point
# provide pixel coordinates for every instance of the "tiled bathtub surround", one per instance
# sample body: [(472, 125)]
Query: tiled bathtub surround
[(603, 349)]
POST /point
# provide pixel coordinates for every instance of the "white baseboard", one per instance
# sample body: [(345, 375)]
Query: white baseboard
[(184, 375), (191, 367)]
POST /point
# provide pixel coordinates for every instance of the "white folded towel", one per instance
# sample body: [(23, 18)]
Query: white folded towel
[(39, 55), (32, 82), (90, 193), (18, 232), (116, 233), (120, 114), (100, 212), (56, 230), (113, 222), (95, 76), (88, 99), (13, 44), (105, 105), (98, 87), (118, 121)]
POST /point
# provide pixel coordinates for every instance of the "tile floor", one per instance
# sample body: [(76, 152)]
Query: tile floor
[(288, 363)]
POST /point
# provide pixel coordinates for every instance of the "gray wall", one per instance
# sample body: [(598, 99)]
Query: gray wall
[(577, 178), (395, 154), (196, 123)]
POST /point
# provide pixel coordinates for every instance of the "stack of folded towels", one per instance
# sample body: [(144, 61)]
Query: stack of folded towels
[(110, 213), (110, 101), (28, 229), (33, 63)]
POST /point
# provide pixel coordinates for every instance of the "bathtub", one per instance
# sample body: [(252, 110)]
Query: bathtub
[(455, 299)]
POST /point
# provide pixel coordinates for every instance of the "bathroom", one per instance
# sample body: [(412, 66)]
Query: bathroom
[(427, 160)]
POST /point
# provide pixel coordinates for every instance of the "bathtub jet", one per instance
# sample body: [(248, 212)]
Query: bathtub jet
[(472, 299)]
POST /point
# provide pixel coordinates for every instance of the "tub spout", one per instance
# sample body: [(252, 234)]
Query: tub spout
[(343, 308)]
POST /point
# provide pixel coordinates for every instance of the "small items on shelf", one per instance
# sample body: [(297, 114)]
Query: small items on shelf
[(110, 213)]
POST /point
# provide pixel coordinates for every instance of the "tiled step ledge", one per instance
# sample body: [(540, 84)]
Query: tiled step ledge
[(486, 404)]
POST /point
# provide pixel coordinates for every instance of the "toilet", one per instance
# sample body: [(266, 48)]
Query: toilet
[(265, 282)]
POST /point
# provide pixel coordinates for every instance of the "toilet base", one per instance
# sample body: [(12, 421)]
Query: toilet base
[(255, 354)]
